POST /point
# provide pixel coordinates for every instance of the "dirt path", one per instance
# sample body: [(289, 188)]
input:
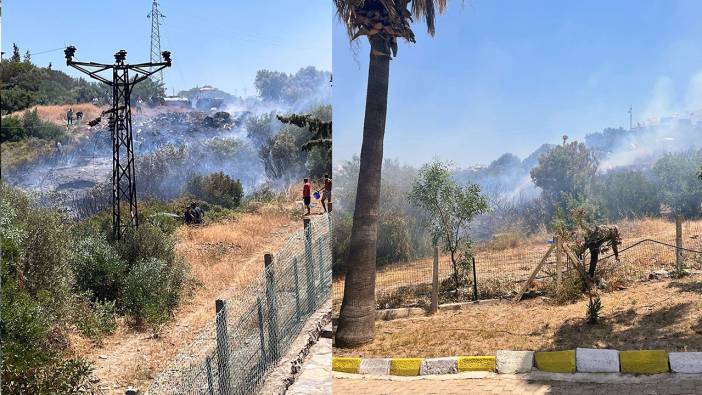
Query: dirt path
[(223, 257)]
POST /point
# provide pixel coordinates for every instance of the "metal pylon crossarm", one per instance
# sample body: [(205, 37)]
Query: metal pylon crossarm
[(123, 164)]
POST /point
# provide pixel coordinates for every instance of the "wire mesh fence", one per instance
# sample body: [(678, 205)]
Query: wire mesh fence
[(248, 336), (500, 273)]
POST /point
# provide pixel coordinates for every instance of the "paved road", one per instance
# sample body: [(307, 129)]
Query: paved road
[(666, 385)]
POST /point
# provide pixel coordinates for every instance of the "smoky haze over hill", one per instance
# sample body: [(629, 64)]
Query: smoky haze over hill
[(634, 173), (174, 142), (615, 149)]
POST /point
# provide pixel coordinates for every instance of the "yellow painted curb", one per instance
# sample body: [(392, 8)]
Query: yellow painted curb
[(405, 366), (474, 364), (644, 361), (555, 361), (346, 365)]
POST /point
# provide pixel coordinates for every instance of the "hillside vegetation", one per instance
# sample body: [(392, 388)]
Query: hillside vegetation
[(25, 85)]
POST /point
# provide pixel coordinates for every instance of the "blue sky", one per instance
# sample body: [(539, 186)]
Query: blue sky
[(222, 43), (506, 76)]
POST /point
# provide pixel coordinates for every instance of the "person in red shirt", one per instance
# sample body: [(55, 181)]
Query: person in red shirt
[(306, 194), (326, 195)]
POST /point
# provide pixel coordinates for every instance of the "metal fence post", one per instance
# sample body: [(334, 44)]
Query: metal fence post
[(297, 290), (320, 240), (222, 347), (678, 244), (131, 391), (210, 388), (475, 281), (261, 333), (272, 306), (435, 282), (311, 294), (559, 260)]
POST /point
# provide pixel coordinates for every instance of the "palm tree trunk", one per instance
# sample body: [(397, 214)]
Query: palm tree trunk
[(357, 316)]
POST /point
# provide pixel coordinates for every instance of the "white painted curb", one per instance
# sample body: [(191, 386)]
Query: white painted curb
[(375, 366), (511, 362), (439, 366), (591, 360), (685, 362)]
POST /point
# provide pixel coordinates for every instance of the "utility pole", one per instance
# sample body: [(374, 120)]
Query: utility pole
[(120, 124), (155, 15), (631, 119)]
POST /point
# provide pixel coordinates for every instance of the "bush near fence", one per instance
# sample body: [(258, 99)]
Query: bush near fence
[(249, 335), (500, 273)]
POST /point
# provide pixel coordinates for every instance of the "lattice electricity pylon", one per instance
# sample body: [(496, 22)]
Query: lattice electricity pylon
[(120, 122), (155, 15)]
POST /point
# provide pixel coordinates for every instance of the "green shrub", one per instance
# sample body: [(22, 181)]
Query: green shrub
[(217, 188), (145, 242), (34, 127), (570, 290), (95, 319), (11, 129), (98, 268), (594, 307), (396, 243), (24, 329), (61, 376), (264, 194), (40, 247), (152, 290)]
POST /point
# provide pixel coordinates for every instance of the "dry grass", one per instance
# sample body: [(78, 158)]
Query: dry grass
[(57, 113), (503, 262), (214, 252), (656, 315), (223, 258)]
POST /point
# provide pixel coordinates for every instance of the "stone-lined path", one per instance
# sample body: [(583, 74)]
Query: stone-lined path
[(315, 378)]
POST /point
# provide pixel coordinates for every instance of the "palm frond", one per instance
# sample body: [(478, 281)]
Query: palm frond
[(389, 18)]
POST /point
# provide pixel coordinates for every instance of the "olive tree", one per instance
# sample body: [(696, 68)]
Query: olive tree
[(451, 208)]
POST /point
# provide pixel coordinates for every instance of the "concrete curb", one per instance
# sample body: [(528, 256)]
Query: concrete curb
[(439, 366), (685, 362), (567, 363), (591, 360), (555, 361), (512, 362), (643, 361), (375, 366)]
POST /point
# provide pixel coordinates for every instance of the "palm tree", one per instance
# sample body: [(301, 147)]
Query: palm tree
[(383, 22)]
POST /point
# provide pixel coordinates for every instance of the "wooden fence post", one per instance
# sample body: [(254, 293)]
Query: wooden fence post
[(272, 306), (309, 268), (678, 244), (435, 282), (222, 347), (559, 260)]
